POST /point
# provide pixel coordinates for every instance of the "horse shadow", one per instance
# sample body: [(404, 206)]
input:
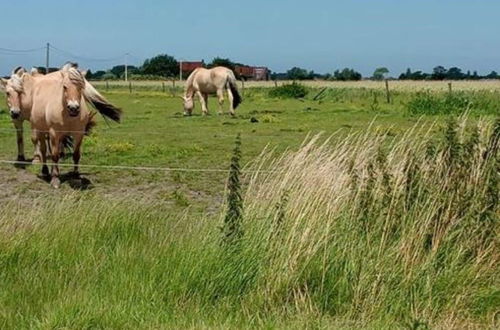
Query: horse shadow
[(75, 181)]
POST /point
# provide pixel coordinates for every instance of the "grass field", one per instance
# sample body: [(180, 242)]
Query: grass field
[(392, 222)]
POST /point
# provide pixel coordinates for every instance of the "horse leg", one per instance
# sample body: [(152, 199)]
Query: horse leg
[(203, 101), (77, 153), (231, 101), (55, 145), (220, 97), (39, 140), (18, 124)]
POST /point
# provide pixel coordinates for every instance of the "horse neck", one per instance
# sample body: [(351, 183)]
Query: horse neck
[(190, 84), (27, 97)]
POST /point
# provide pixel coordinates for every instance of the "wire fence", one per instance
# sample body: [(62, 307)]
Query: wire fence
[(137, 168)]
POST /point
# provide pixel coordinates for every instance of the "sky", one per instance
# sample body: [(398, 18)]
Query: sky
[(319, 35)]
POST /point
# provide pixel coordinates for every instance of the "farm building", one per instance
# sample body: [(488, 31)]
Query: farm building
[(188, 67), (252, 72)]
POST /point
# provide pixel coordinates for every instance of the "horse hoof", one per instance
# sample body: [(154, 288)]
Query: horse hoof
[(21, 158), (55, 183)]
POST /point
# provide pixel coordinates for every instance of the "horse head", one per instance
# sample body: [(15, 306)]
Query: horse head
[(13, 88), (73, 84), (188, 105)]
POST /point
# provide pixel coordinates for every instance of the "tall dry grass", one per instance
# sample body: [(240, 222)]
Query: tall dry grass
[(370, 227)]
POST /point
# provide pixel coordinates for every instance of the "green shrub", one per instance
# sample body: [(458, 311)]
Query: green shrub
[(431, 103), (287, 91)]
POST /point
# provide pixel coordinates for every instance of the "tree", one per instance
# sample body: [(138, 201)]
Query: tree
[(439, 73), (225, 62), (296, 73), (98, 74), (161, 65), (380, 73), (406, 75), (455, 74), (119, 70), (347, 74), (493, 75)]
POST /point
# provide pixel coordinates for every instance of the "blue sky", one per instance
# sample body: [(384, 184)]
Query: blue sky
[(320, 35)]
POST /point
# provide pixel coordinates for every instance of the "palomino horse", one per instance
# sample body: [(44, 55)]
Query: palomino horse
[(203, 82), (58, 110), (19, 105)]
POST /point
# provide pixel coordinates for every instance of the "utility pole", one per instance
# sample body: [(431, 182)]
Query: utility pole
[(180, 70), (126, 67), (47, 59)]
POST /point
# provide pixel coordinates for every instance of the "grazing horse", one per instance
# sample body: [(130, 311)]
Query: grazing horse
[(58, 110), (19, 103), (203, 82)]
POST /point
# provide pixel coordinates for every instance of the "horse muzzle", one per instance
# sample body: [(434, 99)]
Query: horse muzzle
[(74, 110), (15, 113)]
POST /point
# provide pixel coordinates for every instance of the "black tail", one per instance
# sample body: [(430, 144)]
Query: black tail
[(100, 103), (236, 94)]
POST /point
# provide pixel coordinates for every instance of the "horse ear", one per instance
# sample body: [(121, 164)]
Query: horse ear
[(19, 71), (34, 72)]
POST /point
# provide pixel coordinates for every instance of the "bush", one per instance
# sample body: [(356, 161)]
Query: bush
[(108, 76), (477, 102), (293, 91)]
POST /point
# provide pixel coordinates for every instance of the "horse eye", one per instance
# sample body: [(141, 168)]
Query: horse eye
[(8, 94)]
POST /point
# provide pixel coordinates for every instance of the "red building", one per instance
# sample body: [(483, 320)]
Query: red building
[(188, 67), (252, 72)]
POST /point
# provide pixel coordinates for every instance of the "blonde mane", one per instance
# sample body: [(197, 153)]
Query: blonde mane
[(16, 82), (74, 75)]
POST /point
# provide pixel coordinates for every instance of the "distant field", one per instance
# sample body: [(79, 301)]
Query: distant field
[(398, 85)]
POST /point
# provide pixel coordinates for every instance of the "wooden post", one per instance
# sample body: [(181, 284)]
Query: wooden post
[(388, 92), (173, 87), (130, 87), (163, 86), (450, 88), (243, 87), (107, 85), (275, 83)]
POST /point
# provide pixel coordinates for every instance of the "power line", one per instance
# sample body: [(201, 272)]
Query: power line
[(83, 58), (32, 50)]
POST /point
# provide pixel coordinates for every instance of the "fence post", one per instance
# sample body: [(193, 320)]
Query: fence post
[(450, 88), (243, 87), (388, 92), (163, 87), (107, 85), (275, 83), (130, 87)]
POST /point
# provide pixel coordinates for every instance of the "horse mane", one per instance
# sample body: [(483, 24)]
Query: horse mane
[(69, 65), (76, 78), (16, 82), (189, 83)]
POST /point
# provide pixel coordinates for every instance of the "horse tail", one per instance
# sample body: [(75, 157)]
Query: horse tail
[(102, 105), (234, 90)]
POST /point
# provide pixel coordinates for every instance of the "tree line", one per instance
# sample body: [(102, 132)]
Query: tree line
[(165, 66)]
